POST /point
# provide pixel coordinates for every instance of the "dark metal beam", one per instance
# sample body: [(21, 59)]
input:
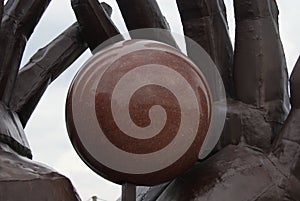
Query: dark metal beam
[(205, 22), (128, 192), (95, 24), (43, 68), (1, 11), (18, 22), (145, 14), (295, 85)]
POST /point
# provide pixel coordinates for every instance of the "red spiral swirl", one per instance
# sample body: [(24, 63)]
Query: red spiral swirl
[(139, 112)]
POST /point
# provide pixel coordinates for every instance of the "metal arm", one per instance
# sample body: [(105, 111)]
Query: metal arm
[(18, 22), (43, 68)]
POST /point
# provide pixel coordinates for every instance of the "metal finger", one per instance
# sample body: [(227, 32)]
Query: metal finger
[(95, 24), (18, 22), (43, 68), (260, 71), (145, 14), (205, 21)]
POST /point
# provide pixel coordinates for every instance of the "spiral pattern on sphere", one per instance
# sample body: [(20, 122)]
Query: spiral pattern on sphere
[(138, 112)]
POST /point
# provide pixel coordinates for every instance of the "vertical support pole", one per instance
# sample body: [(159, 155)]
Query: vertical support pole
[(128, 192)]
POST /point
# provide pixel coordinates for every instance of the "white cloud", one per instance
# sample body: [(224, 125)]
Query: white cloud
[(290, 30)]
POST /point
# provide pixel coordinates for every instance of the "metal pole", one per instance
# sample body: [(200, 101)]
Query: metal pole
[(128, 192)]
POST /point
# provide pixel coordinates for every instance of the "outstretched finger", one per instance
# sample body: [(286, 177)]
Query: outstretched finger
[(1, 11), (287, 145), (43, 68), (18, 22), (143, 14), (107, 8), (260, 71), (95, 24), (295, 84), (205, 22)]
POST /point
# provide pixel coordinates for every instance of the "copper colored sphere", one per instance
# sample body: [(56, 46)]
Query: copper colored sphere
[(138, 111)]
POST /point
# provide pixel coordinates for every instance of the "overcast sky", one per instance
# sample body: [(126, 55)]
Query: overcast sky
[(46, 129)]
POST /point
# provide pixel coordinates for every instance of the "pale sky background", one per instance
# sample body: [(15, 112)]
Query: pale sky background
[(46, 129)]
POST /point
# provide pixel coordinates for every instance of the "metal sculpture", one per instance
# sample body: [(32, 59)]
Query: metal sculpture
[(257, 157), (20, 91), (146, 105)]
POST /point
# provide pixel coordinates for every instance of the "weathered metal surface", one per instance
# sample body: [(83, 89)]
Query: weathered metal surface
[(242, 172), (20, 178), (18, 22), (259, 59), (128, 192), (23, 179), (260, 76), (31, 83), (257, 172), (145, 14), (205, 21), (234, 173), (107, 8), (287, 145), (1, 10), (95, 24), (43, 68), (142, 14), (295, 85), (11, 131)]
